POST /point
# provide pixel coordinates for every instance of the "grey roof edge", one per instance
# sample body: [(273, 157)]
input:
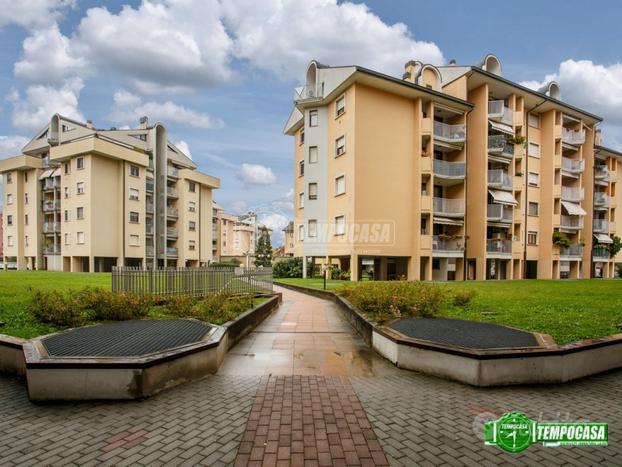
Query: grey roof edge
[(615, 152)]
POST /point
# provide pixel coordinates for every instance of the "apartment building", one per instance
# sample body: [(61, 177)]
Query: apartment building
[(288, 240), (449, 173), (85, 199), (234, 236), (1, 239)]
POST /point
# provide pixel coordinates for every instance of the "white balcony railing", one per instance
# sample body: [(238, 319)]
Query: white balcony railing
[(149, 207), (51, 250), (309, 92), (171, 192), (573, 166), (571, 222), (449, 169), (573, 137), (601, 199), (51, 227), (498, 145), (441, 243), (172, 212), (450, 133), (171, 232), (149, 229), (499, 245), (171, 251), (172, 171), (500, 179), (601, 173), (149, 250), (51, 183), (498, 111), (575, 251), (601, 225), (50, 205), (449, 207), (600, 253), (574, 194), (500, 213)]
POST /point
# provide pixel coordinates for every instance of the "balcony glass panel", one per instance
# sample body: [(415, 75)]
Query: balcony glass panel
[(449, 207), (449, 169), (450, 133)]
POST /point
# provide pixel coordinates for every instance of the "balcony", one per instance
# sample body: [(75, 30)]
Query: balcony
[(149, 186), (571, 222), (454, 134), (499, 112), (51, 227), (572, 166), (149, 208), (601, 200), (171, 192), (449, 207), (449, 171), (172, 212), (498, 145), (171, 232), (500, 213), (575, 138), (447, 247), (572, 252), (149, 229), (149, 251), (172, 172), (600, 253), (50, 205), (171, 251), (574, 194), (51, 184), (51, 250), (498, 247), (309, 92), (601, 173), (601, 226), (498, 178)]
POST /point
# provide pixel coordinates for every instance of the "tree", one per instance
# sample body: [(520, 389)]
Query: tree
[(615, 247), (263, 250)]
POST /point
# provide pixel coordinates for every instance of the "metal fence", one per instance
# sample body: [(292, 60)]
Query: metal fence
[(197, 282)]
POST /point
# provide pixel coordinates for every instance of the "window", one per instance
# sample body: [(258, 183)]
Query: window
[(192, 187), (80, 188), (302, 136), (313, 117), (313, 155), (312, 229), (301, 168), (26, 240), (134, 240), (25, 198), (534, 120), (533, 209), (534, 150), (312, 190), (25, 177), (301, 232), (9, 220), (66, 239), (134, 194), (80, 238), (192, 226), (80, 163), (66, 215), (9, 198), (340, 146), (340, 105), (66, 192), (192, 206), (534, 179), (192, 245), (9, 240), (9, 178), (134, 171), (532, 238), (340, 225), (25, 219), (301, 200), (340, 185), (134, 217), (67, 170)]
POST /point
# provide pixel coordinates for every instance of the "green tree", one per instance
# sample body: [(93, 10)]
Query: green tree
[(615, 247), (263, 249)]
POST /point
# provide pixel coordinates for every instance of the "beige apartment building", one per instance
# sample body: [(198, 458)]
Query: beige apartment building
[(234, 236), (449, 173), (85, 199), (288, 240)]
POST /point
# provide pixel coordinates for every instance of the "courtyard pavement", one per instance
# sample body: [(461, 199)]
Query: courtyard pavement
[(303, 389)]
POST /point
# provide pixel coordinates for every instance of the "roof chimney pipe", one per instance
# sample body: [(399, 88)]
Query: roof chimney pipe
[(452, 62), (89, 124), (143, 123)]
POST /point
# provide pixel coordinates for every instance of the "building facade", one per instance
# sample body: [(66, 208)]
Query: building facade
[(288, 240), (449, 173), (234, 236), (85, 199)]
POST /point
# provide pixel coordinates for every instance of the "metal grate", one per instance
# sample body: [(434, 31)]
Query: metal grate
[(126, 339)]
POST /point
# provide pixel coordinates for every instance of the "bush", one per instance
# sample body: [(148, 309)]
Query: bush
[(232, 263), (55, 308), (385, 301), (463, 297), (215, 309), (289, 268)]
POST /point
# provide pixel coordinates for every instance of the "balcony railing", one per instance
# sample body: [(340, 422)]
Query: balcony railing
[(149, 251), (51, 250), (149, 186), (171, 192), (601, 199), (442, 243), (600, 253), (51, 183), (574, 194), (499, 245), (500, 213), (449, 207), (309, 92), (149, 208), (51, 227), (449, 169), (600, 225), (498, 111), (171, 251), (573, 166), (571, 251), (498, 145), (571, 222), (601, 173), (149, 229), (450, 133), (172, 212), (50, 205), (172, 172), (500, 179), (573, 137), (171, 232)]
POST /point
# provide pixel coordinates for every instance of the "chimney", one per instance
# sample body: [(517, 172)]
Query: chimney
[(598, 137), (452, 62), (411, 68), (89, 124), (143, 123)]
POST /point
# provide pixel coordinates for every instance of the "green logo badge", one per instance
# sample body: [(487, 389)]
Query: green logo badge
[(515, 432)]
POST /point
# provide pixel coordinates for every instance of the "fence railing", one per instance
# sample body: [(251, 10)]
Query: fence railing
[(573, 136), (499, 145), (500, 178), (451, 133), (196, 282), (573, 165), (449, 169), (449, 207)]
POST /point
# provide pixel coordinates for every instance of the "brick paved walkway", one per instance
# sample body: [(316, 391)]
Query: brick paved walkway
[(303, 358)]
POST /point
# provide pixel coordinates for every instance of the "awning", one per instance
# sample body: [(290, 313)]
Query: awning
[(56, 173), (448, 221), (573, 209), (46, 174), (502, 127), (503, 197), (603, 238)]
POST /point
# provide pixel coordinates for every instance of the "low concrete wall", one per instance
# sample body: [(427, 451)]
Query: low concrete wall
[(12, 355), (319, 293), (249, 320), (362, 326)]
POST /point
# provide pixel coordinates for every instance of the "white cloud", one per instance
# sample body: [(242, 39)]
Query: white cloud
[(12, 145), (239, 207), (255, 174), (32, 13), (40, 102), (183, 146), (128, 108), (275, 222)]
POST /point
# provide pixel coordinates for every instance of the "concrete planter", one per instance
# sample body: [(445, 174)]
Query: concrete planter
[(12, 355)]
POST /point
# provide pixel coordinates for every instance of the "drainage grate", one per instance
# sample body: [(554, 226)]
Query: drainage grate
[(126, 339)]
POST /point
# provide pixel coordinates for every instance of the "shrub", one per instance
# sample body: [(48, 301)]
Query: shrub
[(215, 309), (55, 308), (384, 301), (232, 263), (463, 297), (289, 268), (104, 305)]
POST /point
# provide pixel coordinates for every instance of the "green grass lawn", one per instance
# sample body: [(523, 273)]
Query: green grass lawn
[(567, 310), (313, 283)]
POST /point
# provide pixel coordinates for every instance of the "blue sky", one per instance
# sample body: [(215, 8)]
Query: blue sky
[(221, 74)]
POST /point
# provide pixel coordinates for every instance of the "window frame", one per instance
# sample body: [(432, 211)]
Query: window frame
[(79, 209), (337, 178), (130, 194), (192, 226), (301, 200), (78, 242), (534, 234), (79, 163), (339, 113), (337, 146), (312, 222), (301, 169), (80, 188), (134, 237), (134, 168), (537, 182), (537, 205), (311, 148), (529, 146), (341, 218), (301, 232), (314, 117), (134, 214)]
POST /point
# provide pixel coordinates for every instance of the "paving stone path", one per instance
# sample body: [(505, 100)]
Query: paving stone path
[(304, 375)]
